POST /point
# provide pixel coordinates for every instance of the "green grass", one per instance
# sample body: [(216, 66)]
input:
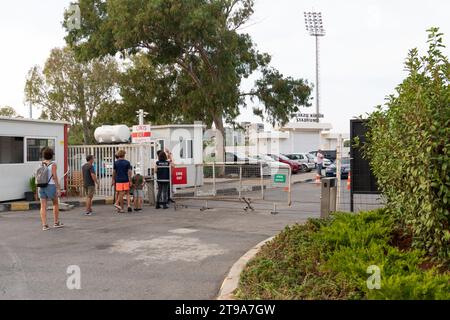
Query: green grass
[(328, 259)]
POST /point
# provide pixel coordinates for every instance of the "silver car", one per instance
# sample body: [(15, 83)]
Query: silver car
[(306, 163)]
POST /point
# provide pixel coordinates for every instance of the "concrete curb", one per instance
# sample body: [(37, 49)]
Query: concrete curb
[(30, 206), (231, 282)]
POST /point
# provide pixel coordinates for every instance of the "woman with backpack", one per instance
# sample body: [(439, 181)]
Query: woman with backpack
[(49, 188)]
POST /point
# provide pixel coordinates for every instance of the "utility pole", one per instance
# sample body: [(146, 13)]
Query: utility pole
[(314, 25), (141, 115)]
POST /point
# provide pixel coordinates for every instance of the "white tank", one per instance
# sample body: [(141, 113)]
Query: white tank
[(112, 134)]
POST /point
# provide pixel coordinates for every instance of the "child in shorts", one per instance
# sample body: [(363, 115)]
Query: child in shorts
[(138, 189)]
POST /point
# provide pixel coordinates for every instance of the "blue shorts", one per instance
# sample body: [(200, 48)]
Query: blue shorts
[(49, 192)]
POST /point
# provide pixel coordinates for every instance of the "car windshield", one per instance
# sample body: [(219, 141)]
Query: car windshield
[(345, 161), (265, 158), (283, 157), (310, 156)]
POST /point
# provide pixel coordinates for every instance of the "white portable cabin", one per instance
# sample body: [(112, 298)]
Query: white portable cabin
[(185, 142), (21, 142)]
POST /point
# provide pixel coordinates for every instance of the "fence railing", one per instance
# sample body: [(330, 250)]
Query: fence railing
[(138, 155), (237, 181)]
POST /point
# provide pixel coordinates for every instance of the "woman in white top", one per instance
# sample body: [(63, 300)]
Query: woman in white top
[(51, 192)]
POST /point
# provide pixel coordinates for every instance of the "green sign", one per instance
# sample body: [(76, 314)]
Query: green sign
[(279, 178)]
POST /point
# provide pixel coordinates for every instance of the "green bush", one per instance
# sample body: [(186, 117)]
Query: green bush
[(328, 259), (408, 145)]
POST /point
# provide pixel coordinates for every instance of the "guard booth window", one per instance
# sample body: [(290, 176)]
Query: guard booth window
[(34, 147), (11, 150), (186, 150)]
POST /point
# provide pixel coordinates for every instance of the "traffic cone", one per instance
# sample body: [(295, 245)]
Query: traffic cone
[(349, 181)]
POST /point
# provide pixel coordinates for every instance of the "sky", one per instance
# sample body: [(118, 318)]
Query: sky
[(361, 56)]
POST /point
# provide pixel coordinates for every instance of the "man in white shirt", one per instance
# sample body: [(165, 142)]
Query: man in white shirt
[(320, 158)]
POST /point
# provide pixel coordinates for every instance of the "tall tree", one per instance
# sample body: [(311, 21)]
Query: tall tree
[(8, 112), (75, 92), (198, 54)]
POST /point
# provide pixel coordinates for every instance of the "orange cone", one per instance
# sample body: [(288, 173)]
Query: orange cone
[(349, 181)]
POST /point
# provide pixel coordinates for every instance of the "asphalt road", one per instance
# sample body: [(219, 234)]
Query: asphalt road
[(182, 254), (171, 254)]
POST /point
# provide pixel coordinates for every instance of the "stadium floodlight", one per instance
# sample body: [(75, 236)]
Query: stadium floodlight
[(314, 25)]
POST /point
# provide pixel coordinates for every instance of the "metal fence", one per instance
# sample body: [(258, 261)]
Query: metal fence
[(238, 181), (139, 156)]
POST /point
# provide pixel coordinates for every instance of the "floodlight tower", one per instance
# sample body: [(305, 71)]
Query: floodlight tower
[(314, 25)]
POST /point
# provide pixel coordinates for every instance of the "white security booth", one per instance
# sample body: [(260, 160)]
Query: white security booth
[(21, 141), (185, 142)]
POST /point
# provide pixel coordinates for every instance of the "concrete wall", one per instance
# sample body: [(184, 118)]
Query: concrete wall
[(15, 177)]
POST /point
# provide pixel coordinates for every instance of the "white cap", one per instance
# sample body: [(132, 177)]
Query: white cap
[(137, 170)]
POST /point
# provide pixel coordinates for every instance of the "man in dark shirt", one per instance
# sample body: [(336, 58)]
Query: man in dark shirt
[(89, 182), (122, 180)]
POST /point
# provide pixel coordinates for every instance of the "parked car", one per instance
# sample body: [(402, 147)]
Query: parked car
[(250, 166), (295, 167), (345, 169), (306, 164), (272, 165), (326, 162)]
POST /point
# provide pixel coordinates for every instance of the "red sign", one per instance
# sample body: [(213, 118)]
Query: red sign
[(141, 134), (179, 176)]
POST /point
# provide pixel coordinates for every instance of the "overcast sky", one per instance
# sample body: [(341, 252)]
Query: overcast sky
[(362, 53)]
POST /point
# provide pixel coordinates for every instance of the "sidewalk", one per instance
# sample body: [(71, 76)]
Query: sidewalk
[(35, 205), (80, 202)]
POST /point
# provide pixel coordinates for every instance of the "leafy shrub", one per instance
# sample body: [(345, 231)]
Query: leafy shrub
[(408, 145), (328, 259)]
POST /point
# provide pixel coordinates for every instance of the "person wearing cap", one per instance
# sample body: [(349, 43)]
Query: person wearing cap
[(137, 184)]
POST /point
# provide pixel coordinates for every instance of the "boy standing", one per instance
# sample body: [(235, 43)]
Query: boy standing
[(122, 179), (89, 181), (138, 190)]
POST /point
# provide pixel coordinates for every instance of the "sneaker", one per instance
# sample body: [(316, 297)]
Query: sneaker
[(158, 207), (88, 214), (130, 209), (58, 225), (45, 228), (165, 206), (118, 207)]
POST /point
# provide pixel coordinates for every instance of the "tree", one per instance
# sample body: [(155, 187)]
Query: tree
[(8, 112), (71, 91), (409, 150), (194, 51)]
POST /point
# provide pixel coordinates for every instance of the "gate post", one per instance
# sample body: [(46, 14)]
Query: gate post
[(240, 181), (214, 178), (262, 180)]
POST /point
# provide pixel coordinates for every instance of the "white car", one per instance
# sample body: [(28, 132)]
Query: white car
[(305, 160), (272, 165)]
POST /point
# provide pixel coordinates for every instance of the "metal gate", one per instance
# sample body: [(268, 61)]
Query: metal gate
[(141, 156)]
